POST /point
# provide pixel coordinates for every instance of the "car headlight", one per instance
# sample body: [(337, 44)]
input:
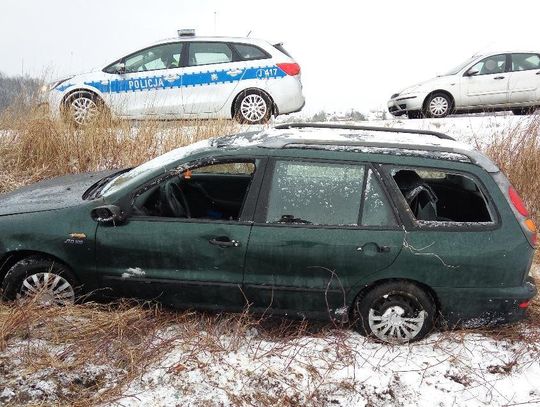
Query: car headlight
[(54, 85)]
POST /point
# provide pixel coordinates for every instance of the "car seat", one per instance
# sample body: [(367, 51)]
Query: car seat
[(418, 194)]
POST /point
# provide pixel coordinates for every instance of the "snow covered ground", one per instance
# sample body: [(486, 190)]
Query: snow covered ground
[(345, 369), (237, 361)]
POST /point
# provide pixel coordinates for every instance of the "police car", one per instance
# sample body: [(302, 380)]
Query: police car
[(187, 77)]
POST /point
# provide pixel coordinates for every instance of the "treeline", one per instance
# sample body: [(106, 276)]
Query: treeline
[(17, 90)]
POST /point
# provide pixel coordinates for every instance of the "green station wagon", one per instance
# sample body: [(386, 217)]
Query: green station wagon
[(393, 231)]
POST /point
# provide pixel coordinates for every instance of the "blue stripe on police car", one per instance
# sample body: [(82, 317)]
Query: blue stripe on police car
[(184, 80)]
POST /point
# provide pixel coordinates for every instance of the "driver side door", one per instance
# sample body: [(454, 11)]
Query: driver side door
[(489, 86), (148, 83), (186, 262)]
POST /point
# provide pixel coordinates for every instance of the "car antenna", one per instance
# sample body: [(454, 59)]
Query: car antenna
[(248, 34)]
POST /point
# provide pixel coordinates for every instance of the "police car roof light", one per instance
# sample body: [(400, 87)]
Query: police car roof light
[(186, 32)]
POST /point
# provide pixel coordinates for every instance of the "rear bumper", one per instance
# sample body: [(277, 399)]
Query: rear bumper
[(287, 94), (479, 306)]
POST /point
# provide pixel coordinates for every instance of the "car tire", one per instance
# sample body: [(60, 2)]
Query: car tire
[(253, 107), (414, 114), (438, 105), (50, 282), (83, 108), (395, 312)]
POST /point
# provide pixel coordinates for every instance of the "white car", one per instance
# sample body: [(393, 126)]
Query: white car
[(495, 81), (187, 77)]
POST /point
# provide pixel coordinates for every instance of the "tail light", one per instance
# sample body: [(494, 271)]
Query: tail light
[(517, 201), (522, 214), (289, 68), (524, 304)]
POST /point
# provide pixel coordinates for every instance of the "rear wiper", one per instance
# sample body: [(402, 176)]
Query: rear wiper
[(292, 219)]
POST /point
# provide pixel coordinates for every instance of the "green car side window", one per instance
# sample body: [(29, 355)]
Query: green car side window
[(435, 195), (376, 210), (315, 193)]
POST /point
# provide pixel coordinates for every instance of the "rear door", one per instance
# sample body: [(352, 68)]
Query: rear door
[(489, 85), (525, 78), (211, 75), (320, 227)]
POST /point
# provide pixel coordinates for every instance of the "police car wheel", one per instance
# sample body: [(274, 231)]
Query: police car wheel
[(83, 108), (253, 107)]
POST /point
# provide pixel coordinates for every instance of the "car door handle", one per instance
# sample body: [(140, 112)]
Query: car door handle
[(234, 72), (498, 77), (223, 241), (380, 249), (538, 73), (172, 77)]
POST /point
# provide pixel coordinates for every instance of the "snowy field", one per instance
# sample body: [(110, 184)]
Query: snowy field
[(241, 362), (473, 129)]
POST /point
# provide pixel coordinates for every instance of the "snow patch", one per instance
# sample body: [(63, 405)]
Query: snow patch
[(134, 272)]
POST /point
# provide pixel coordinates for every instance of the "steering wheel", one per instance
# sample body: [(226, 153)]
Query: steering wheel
[(175, 201)]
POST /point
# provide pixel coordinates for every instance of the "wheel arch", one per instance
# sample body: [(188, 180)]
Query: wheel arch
[(11, 258), (91, 91), (275, 111), (368, 287), (444, 91)]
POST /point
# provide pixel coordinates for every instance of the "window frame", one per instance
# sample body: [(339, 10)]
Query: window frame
[(248, 207), (508, 63), (185, 61), (410, 220), (266, 186), (108, 68), (240, 58), (523, 53)]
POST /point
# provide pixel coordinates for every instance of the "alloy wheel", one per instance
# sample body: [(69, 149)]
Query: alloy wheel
[(253, 108), (83, 110)]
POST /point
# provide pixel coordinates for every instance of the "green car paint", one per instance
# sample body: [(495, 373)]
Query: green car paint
[(472, 270)]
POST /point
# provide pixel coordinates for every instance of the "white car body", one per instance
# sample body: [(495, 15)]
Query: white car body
[(183, 91), (511, 83)]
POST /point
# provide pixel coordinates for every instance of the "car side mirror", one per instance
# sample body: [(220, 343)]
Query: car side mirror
[(472, 72), (121, 68), (108, 214)]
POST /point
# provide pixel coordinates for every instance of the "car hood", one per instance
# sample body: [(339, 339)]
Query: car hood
[(417, 87), (55, 193)]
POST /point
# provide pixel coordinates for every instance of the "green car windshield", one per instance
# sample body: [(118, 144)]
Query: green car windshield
[(162, 162)]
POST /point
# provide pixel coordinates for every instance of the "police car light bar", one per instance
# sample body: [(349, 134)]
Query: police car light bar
[(186, 32)]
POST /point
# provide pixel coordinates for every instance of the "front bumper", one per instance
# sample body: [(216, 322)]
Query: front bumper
[(402, 104), (54, 100), (480, 306)]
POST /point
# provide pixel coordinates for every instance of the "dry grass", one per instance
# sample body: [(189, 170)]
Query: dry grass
[(88, 354), (517, 153), (91, 355), (90, 351), (39, 148)]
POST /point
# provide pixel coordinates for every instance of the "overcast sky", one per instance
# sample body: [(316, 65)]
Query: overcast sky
[(353, 54)]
